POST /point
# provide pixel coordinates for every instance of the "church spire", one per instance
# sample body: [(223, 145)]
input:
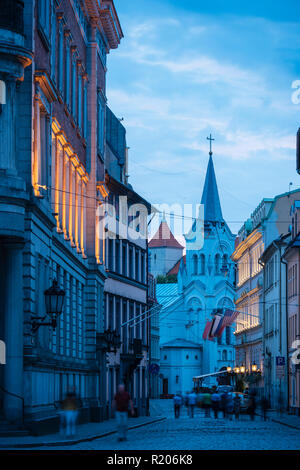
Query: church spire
[(210, 195)]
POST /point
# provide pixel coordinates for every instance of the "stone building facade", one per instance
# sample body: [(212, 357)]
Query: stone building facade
[(53, 158)]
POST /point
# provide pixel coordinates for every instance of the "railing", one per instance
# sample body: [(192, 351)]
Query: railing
[(13, 394), (11, 15)]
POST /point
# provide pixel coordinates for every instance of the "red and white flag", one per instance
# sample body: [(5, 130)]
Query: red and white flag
[(206, 330)]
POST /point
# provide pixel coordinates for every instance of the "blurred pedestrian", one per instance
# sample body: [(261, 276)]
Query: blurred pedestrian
[(229, 405), (251, 406), (223, 403), (237, 405), (206, 403), (215, 403), (264, 407), (185, 400), (70, 412), (121, 404), (177, 400), (192, 400)]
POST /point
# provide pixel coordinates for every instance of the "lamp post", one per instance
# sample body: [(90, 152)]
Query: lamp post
[(54, 300)]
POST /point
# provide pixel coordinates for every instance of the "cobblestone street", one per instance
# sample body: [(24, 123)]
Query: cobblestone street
[(201, 433)]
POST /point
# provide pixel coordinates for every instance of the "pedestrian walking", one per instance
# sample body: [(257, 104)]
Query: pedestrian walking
[(192, 400), (177, 400), (121, 404), (215, 403), (69, 413), (280, 403), (229, 405), (264, 407), (251, 406), (237, 405), (223, 403), (206, 403), (185, 400)]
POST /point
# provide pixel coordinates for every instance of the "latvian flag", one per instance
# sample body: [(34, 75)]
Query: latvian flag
[(206, 329), (227, 319)]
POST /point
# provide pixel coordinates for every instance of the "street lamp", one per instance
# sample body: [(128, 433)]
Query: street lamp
[(242, 369), (254, 367), (111, 339), (229, 369), (237, 370), (54, 300)]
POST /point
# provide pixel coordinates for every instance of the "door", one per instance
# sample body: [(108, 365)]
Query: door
[(165, 386)]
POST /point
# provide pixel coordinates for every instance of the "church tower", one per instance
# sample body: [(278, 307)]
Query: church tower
[(164, 250), (205, 283)]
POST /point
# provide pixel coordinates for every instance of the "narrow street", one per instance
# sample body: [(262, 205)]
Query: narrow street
[(201, 433)]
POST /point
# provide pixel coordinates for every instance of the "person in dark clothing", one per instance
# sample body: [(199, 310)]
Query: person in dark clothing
[(223, 404), (237, 405), (177, 400), (251, 406), (264, 407), (121, 404), (215, 403), (69, 413)]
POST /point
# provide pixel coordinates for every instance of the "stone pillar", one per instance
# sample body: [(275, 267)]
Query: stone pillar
[(13, 312)]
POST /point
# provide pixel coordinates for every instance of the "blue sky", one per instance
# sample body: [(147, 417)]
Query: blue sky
[(188, 68)]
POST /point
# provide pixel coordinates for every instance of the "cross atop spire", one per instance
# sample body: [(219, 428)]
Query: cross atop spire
[(210, 195), (210, 144)]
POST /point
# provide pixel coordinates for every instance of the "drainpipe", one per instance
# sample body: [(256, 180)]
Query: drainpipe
[(263, 319), (287, 338)]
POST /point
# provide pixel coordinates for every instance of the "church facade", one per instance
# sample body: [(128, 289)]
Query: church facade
[(205, 282)]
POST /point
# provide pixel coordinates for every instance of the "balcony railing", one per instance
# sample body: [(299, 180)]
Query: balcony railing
[(11, 15)]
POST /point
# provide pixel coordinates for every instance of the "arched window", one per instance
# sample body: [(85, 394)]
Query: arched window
[(195, 264), (224, 263), (224, 355), (217, 264), (202, 264)]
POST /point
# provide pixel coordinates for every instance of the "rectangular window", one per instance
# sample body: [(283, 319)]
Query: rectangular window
[(67, 73), (100, 125), (60, 57), (124, 258), (85, 120), (137, 264), (74, 83), (53, 43), (44, 17), (79, 102)]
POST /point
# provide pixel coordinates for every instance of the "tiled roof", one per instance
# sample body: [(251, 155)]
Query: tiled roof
[(164, 238), (176, 266)]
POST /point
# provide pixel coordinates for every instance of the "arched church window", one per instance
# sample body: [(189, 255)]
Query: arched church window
[(224, 264), (217, 263), (202, 264), (224, 355), (195, 264)]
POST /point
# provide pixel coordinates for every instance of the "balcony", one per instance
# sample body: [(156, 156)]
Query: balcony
[(11, 15)]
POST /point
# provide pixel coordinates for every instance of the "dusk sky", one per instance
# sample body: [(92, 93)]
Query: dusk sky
[(186, 69)]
